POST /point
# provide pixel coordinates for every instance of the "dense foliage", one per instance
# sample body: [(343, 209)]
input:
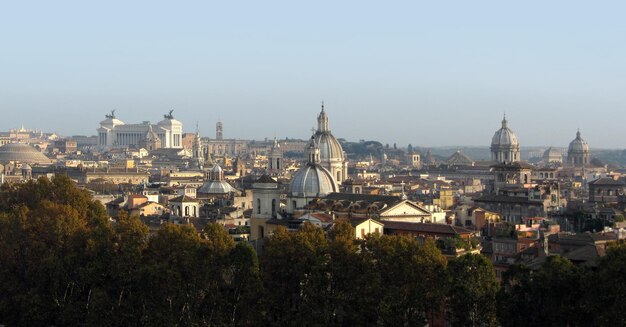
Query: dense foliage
[(62, 262)]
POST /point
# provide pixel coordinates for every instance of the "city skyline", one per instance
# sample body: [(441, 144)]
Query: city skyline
[(211, 134), (421, 74)]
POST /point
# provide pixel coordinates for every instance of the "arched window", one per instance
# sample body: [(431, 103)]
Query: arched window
[(258, 206), (186, 210), (338, 176), (194, 212)]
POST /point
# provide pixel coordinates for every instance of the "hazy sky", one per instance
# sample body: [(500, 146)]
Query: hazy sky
[(430, 73)]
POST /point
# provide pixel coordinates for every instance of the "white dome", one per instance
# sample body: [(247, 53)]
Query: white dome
[(312, 180), (330, 148), (578, 145), (216, 187), (504, 137)]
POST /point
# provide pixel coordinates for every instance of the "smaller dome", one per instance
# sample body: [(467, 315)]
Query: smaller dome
[(504, 137), (552, 155), (578, 145), (312, 180), (551, 152), (216, 187)]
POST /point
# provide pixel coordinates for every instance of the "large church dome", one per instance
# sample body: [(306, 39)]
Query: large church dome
[(504, 136), (312, 180), (504, 145), (578, 152), (329, 146), (578, 145), (22, 153)]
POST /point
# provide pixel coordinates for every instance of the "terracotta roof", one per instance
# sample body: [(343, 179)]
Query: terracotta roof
[(323, 217), (183, 198), (387, 199), (426, 227)]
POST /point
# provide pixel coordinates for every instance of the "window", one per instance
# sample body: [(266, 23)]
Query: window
[(363, 232), (258, 206), (273, 207)]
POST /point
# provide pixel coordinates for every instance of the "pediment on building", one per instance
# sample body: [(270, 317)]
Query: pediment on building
[(405, 208)]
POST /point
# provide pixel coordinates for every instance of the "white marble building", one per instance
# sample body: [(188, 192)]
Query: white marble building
[(114, 133)]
